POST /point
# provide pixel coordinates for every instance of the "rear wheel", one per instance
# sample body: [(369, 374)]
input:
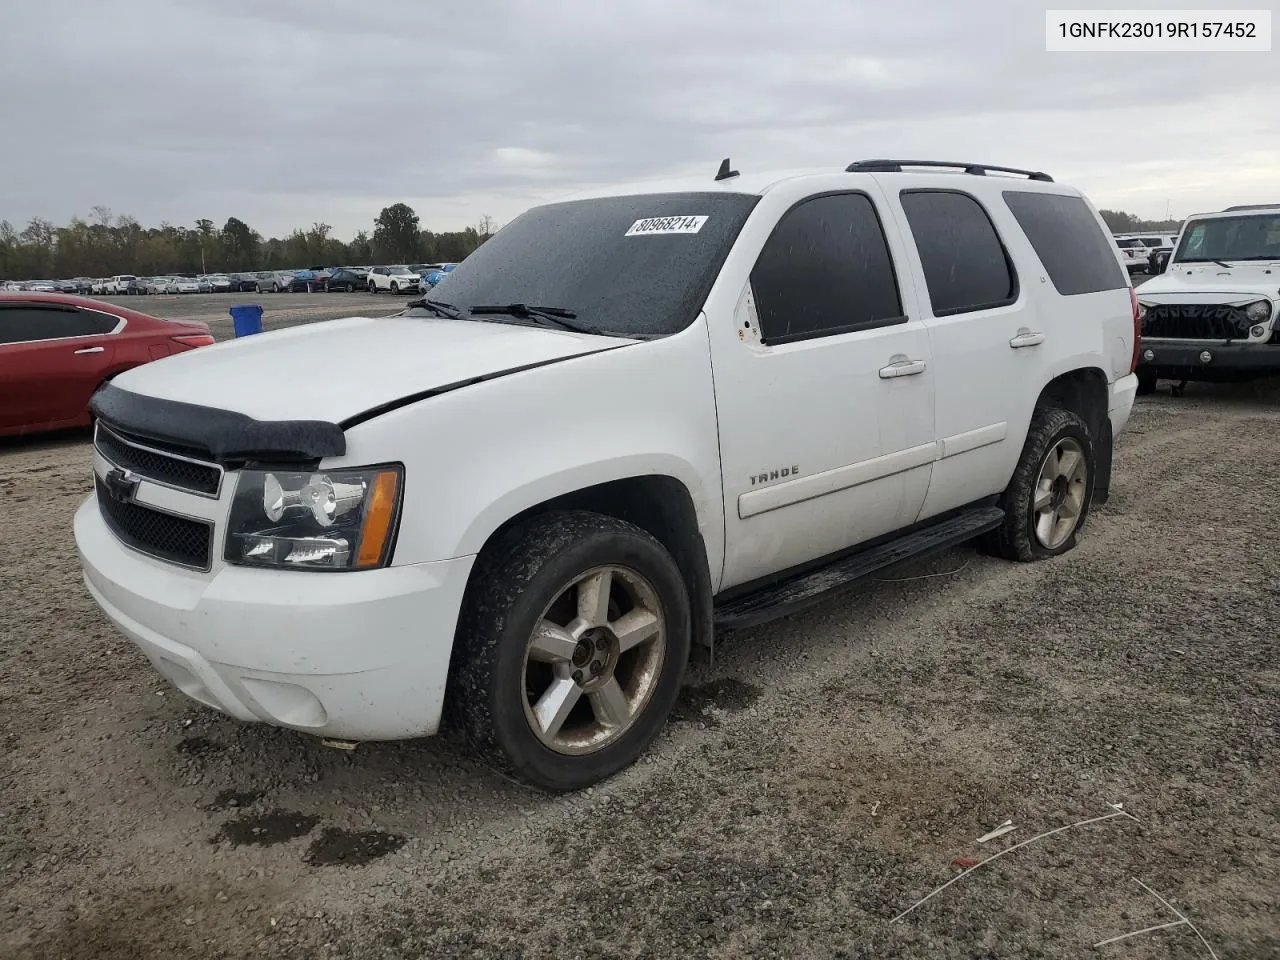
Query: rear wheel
[(573, 641), (373, 288), (1048, 498), (1146, 382)]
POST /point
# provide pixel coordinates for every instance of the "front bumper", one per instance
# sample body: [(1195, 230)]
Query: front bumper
[(351, 655), (1182, 359)]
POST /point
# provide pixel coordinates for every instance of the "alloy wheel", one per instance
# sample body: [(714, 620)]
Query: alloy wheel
[(594, 660)]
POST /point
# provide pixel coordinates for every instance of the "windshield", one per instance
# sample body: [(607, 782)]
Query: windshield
[(633, 266), (1255, 237)]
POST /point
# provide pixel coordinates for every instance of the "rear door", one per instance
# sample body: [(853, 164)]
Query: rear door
[(986, 335), (52, 358)]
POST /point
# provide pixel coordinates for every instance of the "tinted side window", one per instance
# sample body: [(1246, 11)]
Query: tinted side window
[(825, 269), (965, 264), (21, 324), (1075, 252)]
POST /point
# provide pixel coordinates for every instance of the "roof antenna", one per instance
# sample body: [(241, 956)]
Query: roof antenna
[(724, 172)]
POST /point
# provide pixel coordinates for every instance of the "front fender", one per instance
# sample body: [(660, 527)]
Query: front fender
[(477, 456)]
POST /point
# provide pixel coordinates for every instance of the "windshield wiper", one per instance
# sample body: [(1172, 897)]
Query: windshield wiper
[(558, 316), (437, 307), (1205, 260)]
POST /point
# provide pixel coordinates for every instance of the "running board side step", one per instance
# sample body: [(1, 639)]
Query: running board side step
[(804, 590)]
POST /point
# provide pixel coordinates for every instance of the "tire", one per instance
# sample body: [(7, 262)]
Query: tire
[(395, 288), (1146, 382), (542, 572), (350, 288), (1023, 537), (373, 288)]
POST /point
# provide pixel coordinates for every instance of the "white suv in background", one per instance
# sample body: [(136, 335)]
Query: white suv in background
[(118, 285), (396, 279), (521, 502)]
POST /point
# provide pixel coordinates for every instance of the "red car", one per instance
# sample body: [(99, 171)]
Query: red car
[(56, 350)]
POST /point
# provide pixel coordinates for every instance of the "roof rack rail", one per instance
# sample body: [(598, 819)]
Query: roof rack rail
[(1252, 206), (974, 169)]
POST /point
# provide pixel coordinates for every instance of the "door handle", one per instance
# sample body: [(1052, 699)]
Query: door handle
[(901, 367), (89, 350), (1026, 338)]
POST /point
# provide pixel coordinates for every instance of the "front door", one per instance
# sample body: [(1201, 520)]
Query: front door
[(824, 389)]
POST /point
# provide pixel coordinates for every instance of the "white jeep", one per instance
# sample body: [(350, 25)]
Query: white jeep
[(626, 421), (1212, 314)]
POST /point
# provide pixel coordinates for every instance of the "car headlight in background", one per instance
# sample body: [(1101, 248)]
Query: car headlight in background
[(1142, 310), (1258, 312), (317, 520)]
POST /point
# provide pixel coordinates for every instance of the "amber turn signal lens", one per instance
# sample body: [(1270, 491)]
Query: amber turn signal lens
[(378, 519)]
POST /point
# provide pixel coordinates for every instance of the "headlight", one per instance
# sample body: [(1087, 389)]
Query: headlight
[(1142, 310), (1258, 312), (330, 520)]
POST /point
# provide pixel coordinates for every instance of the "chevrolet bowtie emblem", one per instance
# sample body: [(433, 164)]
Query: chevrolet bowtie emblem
[(121, 485)]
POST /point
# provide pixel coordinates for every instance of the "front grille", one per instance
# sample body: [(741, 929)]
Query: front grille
[(172, 471), (161, 535), (1196, 322)]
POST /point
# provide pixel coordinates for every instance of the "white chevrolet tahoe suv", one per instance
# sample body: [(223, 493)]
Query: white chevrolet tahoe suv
[(1212, 314), (627, 420)]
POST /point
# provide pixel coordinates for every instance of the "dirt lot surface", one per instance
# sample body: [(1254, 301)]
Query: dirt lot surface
[(827, 772), (279, 309)]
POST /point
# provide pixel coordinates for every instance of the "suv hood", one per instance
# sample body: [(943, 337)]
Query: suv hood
[(1210, 283), (337, 369)]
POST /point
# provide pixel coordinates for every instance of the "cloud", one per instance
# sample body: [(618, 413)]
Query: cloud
[(286, 112)]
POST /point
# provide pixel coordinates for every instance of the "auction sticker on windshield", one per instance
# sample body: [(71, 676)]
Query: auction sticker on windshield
[(653, 225)]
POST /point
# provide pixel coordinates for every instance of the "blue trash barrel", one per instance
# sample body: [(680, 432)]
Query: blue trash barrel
[(246, 318)]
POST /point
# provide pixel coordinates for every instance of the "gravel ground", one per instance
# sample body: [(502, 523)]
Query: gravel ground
[(279, 309), (826, 773)]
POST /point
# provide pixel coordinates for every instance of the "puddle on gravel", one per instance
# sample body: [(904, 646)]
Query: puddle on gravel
[(727, 694), (234, 799), (277, 826), (351, 848), (198, 746)]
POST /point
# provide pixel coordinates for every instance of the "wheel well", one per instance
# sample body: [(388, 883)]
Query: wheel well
[(662, 507), (1084, 392)]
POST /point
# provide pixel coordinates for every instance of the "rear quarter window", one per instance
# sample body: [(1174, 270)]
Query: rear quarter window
[(1076, 254)]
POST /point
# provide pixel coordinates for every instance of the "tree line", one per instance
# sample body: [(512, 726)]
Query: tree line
[(105, 244), (1120, 222)]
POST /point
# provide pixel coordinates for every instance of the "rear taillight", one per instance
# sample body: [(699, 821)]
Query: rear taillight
[(194, 340), (1137, 329)]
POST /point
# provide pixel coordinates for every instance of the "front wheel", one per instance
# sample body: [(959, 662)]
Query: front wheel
[(395, 288), (573, 641), (1048, 498)]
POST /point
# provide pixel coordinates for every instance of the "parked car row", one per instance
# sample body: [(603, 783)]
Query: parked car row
[(1146, 252), (399, 278)]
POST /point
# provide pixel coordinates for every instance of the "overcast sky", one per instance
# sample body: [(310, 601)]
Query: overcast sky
[(284, 112)]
